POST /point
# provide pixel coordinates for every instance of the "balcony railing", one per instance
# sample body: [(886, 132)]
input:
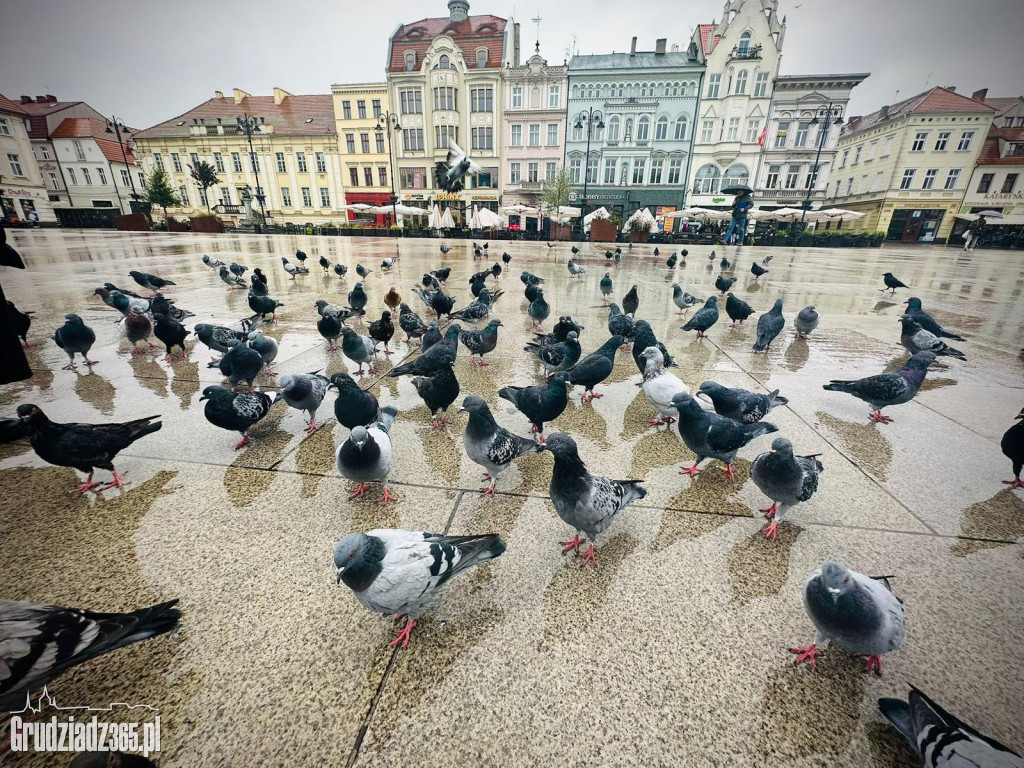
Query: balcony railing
[(753, 52)]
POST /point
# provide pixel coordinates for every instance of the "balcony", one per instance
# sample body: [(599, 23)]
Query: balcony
[(747, 54), (532, 186)]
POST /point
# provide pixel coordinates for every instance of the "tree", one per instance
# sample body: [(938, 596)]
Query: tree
[(159, 192), (556, 192), (205, 176)]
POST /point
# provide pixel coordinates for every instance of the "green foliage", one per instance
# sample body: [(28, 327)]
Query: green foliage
[(640, 226), (556, 192), (159, 192), (205, 176)]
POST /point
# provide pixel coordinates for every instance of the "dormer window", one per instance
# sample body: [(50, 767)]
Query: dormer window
[(410, 61), (444, 62), (744, 42), (481, 58)]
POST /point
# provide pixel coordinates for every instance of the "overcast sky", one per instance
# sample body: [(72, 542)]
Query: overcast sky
[(148, 61)]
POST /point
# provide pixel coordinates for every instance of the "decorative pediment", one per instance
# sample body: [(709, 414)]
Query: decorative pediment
[(710, 111)]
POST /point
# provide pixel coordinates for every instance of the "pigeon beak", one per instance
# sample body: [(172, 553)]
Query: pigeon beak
[(704, 395), (338, 577), (834, 591), (202, 398)]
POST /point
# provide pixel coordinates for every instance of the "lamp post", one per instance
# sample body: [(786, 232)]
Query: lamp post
[(825, 116), (592, 118), (116, 127), (390, 119), (247, 124)]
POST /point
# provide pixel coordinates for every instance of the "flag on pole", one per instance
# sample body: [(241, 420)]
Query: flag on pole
[(764, 134)]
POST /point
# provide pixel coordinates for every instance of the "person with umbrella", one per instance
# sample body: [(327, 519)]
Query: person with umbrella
[(741, 206), (973, 235)]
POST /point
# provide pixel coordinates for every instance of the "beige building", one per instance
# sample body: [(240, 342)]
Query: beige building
[(907, 165), (359, 114), (23, 194), (295, 161)]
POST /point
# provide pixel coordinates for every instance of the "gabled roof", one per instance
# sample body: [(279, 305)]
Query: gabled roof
[(6, 105), (706, 31), (1004, 104), (92, 128), (295, 116), (935, 101), (474, 32)]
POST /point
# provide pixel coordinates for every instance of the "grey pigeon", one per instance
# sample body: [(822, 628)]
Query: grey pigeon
[(539, 310), (891, 283), (739, 404), (216, 337), (340, 270), (917, 339), (266, 346), (492, 447), (75, 337), (620, 324), (595, 368), (451, 174), (631, 302), (366, 455), (683, 301), (232, 281), (942, 739), (587, 502), (304, 392), (927, 321), (358, 348), (784, 478), (703, 318), (885, 389), (445, 248), (575, 270), (342, 313), (557, 357), (240, 363), (211, 262), (363, 271), (856, 612), (479, 343), (606, 286), (238, 269), (806, 321), (235, 411), (723, 283), (291, 269), (769, 325), (392, 571), (709, 435), (540, 403)]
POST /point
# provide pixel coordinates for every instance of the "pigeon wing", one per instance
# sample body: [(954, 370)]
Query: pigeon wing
[(506, 447), (251, 406)]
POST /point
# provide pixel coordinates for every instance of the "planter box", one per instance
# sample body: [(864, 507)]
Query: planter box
[(173, 225), (132, 222), (602, 231), (207, 224), (560, 231), (638, 237)]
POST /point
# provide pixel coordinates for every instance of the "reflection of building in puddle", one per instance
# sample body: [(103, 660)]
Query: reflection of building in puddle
[(1001, 518), (97, 391), (864, 442), (637, 414), (494, 515), (439, 447), (245, 485), (759, 566), (150, 374), (580, 420)]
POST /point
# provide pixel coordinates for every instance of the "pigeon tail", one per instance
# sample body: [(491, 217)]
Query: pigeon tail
[(777, 399), (897, 712), (838, 385), (388, 414), (476, 549)]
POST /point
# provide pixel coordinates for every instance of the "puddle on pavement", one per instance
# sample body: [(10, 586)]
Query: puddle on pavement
[(759, 566), (864, 443), (96, 390), (1000, 517)]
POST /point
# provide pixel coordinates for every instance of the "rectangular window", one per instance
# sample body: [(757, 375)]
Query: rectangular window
[(361, 106), (194, 158), (919, 139), (102, 176), (1009, 183), (952, 178), (965, 141), (752, 129), (592, 164), (483, 138), (218, 162), (781, 134), (236, 162), (532, 171), (412, 178), (801, 134), (675, 167), (714, 83), (609, 171), (286, 197), (879, 182), (986, 182), (279, 158), (517, 135), (79, 152), (364, 143), (552, 134), (707, 130), (761, 86), (482, 100), (908, 178), (300, 161), (846, 154), (411, 101), (517, 97), (888, 144), (575, 164), (307, 199), (353, 177), (412, 139), (792, 174), (175, 162), (183, 197), (445, 133), (772, 181), (550, 170), (71, 176), (54, 181), (656, 166), (534, 135), (812, 177), (733, 133), (350, 143), (554, 95), (382, 175), (368, 176), (941, 141), (929, 178), (380, 143), (871, 150), (346, 109), (15, 162), (45, 152), (158, 161), (376, 107), (444, 98), (856, 153), (85, 171), (4, 129), (514, 171), (486, 179), (638, 170)]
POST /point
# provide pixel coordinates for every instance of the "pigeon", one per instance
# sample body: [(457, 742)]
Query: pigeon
[(431, 337), (891, 283), (559, 333), (618, 255), (660, 386), (216, 337), (392, 299), (531, 292), (529, 279), (575, 270), (595, 368), (357, 298), (618, 323), (768, 258), (885, 389), (725, 264), (400, 572), (942, 739), (540, 403), (300, 256), (671, 261), (366, 455), (266, 346), (340, 270), (631, 302), (337, 310), (757, 270), (291, 269), (232, 281), (856, 612), (479, 343), (240, 363), (137, 327), (358, 348), (451, 174), (769, 325), (574, 250), (927, 322), (703, 318), (330, 327), (111, 287), (83, 446), (587, 502), (917, 339), (480, 276), (235, 411), (606, 287), (166, 307), (152, 282), (171, 333), (476, 311), (258, 276), (684, 302), (75, 337), (325, 265), (609, 255), (441, 274), (557, 357), (410, 323), (506, 258), (739, 404), (258, 287), (363, 271), (539, 310), (492, 447), (723, 283), (784, 478), (238, 269), (1012, 446), (656, 251), (124, 303), (709, 435), (806, 321), (438, 392), (443, 353), (304, 392), (737, 309), (211, 262), (354, 406), (496, 270), (643, 337), (382, 331), (41, 642), (551, 245), (264, 305), (442, 304), (445, 248), (711, 256)]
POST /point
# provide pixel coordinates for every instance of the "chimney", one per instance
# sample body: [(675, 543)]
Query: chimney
[(51, 98), (883, 112), (515, 44), (980, 95), (659, 46), (218, 94), (239, 95), (632, 47), (951, 88), (40, 99), (279, 95), (26, 99)]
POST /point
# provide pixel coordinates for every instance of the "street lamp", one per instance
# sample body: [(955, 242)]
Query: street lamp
[(247, 124), (116, 127), (591, 118), (390, 120), (826, 115)]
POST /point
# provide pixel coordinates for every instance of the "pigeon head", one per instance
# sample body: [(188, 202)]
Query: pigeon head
[(159, 317), (495, 323), (355, 550), (562, 378), (572, 336), (1020, 415), (453, 332), (710, 389), (777, 307), (921, 360), (137, 311), (836, 578), (343, 382), (215, 391), (561, 445), (685, 404), (101, 292), (712, 302), (206, 259), (358, 286), (474, 405), (653, 353), (73, 319), (30, 414), (320, 304), (346, 331), (809, 308), (781, 444), (254, 335), (385, 315), (913, 304), (887, 274), (359, 437), (232, 343)]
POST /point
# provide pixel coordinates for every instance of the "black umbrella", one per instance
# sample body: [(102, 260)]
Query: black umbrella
[(737, 189)]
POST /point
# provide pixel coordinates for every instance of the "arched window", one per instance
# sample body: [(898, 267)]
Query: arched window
[(575, 91), (706, 180), (735, 174), (744, 42), (661, 131), (444, 62), (577, 132), (613, 129), (599, 132), (643, 129), (680, 128), (741, 81), (691, 88), (481, 58), (410, 61)]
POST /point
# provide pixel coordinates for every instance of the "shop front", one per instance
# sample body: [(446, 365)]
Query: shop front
[(623, 202), (27, 205), (368, 198), (915, 225)]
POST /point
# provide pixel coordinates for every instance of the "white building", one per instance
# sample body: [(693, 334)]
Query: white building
[(23, 194)]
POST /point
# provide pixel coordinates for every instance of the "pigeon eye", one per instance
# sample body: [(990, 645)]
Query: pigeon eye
[(351, 554)]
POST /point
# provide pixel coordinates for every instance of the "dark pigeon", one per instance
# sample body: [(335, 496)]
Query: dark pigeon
[(539, 310), (709, 435), (431, 337), (917, 339), (927, 322), (438, 392), (75, 337), (643, 338), (264, 305), (595, 368), (618, 323), (479, 343), (540, 403), (354, 406), (557, 357), (887, 389), (383, 330), (235, 411), (891, 283), (171, 333), (739, 404), (737, 309), (1012, 446), (723, 283), (441, 354), (330, 328), (631, 302), (357, 297), (240, 363), (703, 318), (769, 325)]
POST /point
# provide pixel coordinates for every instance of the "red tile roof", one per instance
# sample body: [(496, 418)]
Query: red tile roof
[(1003, 105), (6, 105), (38, 111), (936, 100), (92, 128), (474, 32), (289, 118), (705, 37), (989, 154)]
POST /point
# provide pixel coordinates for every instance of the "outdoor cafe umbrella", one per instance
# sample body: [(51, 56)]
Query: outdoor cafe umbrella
[(487, 219), (447, 222), (737, 189), (838, 214), (434, 220), (991, 214)]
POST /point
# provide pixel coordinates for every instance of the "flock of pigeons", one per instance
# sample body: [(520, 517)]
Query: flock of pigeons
[(401, 572)]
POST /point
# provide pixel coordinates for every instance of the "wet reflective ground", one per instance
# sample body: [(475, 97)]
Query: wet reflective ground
[(671, 652)]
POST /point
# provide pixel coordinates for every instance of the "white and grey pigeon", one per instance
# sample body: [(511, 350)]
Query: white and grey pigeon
[(806, 321), (266, 346), (291, 269), (366, 455), (211, 262), (358, 348), (784, 478), (304, 392), (943, 740), (575, 270), (392, 571), (451, 174), (492, 447), (684, 301), (587, 502), (660, 386), (916, 339), (856, 612)]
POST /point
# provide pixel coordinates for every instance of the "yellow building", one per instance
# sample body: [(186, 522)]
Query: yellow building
[(907, 165), (294, 142), (359, 114)]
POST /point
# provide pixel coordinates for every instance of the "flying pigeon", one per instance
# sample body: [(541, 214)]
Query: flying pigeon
[(660, 386), (354, 406), (479, 343), (240, 363), (232, 281), (557, 357), (723, 283), (304, 392), (856, 612), (606, 287), (587, 502), (885, 389), (1012, 446), (75, 337), (739, 404), (438, 392), (266, 346), (451, 174), (400, 572), (631, 302), (703, 318), (137, 327), (492, 447), (235, 411), (171, 333), (382, 331), (709, 435), (358, 348), (737, 309), (366, 455), (363, 271), (83, 446), (757, 270), (769, 325), (927, 322), (595, 368), (806, 321), (917, 339), (784, 478), (891, 283), (540, 403), (211, 262), (683, 301)]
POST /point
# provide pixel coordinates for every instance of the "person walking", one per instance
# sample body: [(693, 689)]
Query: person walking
[(741, 206), (974, 233)]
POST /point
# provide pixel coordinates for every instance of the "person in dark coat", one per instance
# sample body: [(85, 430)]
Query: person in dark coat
[(13, 363), (740, 208)]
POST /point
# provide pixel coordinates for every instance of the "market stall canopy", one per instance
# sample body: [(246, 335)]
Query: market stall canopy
[(600, 213), (696, 212), (990, 214), (356, 207), (793, 214)]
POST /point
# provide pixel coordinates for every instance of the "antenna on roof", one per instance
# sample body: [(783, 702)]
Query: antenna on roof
[(571, 50), (896, 96), (537, 20), (928, 80)]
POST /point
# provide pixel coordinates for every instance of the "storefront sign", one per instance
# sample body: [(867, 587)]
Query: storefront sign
[(22, 192), (448, 196), (1003, 196)]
